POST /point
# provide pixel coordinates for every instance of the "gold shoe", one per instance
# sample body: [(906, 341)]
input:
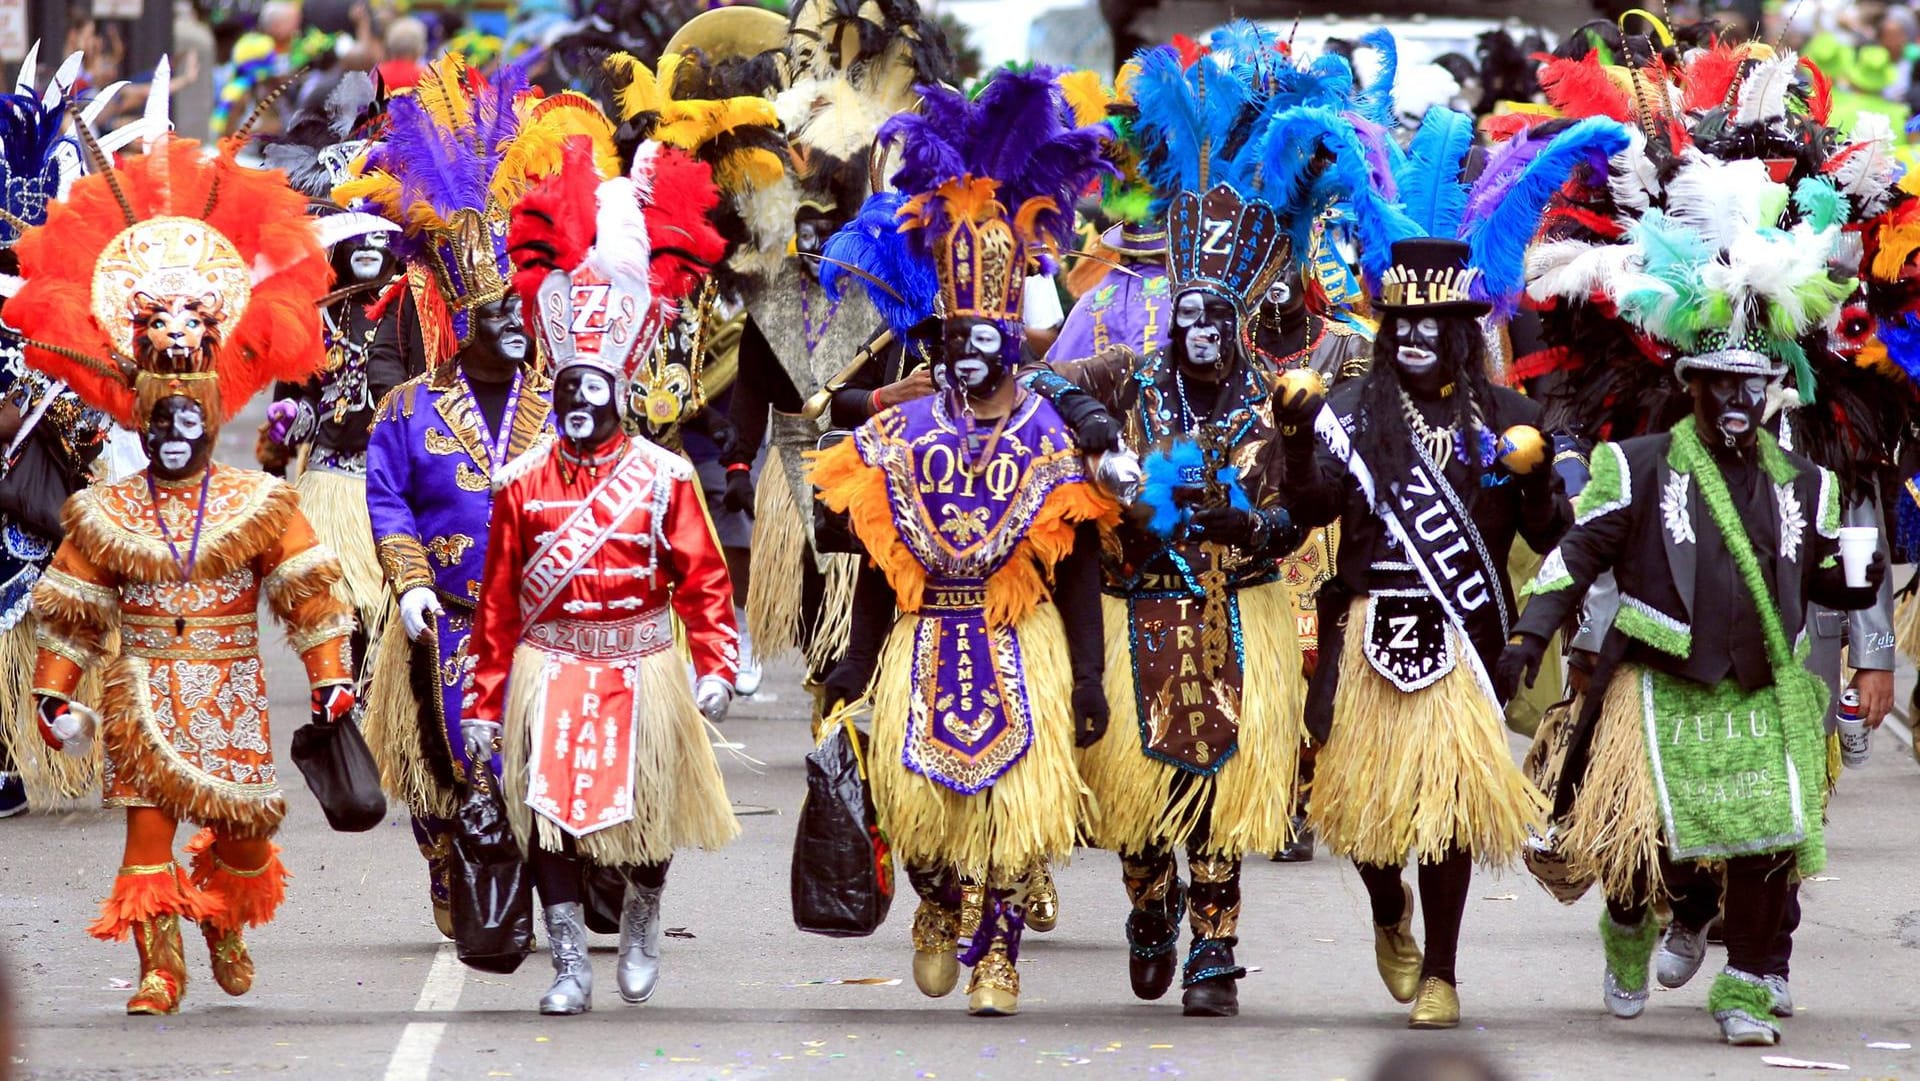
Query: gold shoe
[(1043, 901), (994, 990), (936, 935), (443, 919), (232, 964), (1397, 954), (163, 967), (1437, 1007)]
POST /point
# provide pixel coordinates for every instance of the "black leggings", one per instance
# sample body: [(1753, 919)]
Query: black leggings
[(1759, 895), (1443, 902), (561, 876)]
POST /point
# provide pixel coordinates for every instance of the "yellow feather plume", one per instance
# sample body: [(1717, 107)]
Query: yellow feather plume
[(1086, 95)]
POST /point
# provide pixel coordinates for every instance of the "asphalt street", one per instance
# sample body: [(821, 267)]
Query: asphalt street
[(354, 982)]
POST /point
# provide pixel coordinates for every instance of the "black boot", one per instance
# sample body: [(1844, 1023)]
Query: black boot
[(1300, 848), (1212, 980), (1153, 927), (1211, 975)]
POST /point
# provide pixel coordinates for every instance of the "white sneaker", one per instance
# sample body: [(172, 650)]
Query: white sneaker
[(1741, 1029), (1679, 956), (1782, 996)]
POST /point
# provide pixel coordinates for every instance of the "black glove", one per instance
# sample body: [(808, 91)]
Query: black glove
[(1518, 663), (1089, 713), (1094, 428), (1836, 593), (1225, 525), (739, 494), (1096, 431)]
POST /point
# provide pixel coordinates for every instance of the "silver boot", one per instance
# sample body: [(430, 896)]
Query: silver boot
[(572, 990), (640, 942)]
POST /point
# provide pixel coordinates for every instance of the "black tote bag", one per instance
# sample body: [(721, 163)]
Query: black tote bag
[(340, 771)]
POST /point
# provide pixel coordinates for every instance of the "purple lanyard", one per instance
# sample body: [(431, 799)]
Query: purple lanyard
[(193, 548), (497, 443)]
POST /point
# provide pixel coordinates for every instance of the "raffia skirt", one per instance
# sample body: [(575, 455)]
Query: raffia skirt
[(50, 776), (1030, 815), (1247, 804), (679, 799), (336, 505), (1425, 771), (776, 576)]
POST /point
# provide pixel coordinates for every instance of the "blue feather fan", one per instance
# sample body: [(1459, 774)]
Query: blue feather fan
[(1178, 465)]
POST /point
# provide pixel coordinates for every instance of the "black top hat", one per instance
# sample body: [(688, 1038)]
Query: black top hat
[(1147, 238), (1430, 276)]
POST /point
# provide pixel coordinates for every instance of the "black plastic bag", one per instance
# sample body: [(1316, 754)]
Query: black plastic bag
[(842, 879), (341, 772), (604, 890), (491, 884)]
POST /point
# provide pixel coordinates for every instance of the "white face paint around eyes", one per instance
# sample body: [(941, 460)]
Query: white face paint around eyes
[(1189, 310), (985, 339), (578, 424), (189, 424), (176, 453), (595, 390), (1430, 327)]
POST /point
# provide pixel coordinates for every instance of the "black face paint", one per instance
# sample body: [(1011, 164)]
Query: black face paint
[(1728, 408), (499, 342), (585, 407), (973, 355), (1206, 335), (178, 440), (812, 227)]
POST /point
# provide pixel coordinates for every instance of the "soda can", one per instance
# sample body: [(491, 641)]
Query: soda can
[(1855, 737)]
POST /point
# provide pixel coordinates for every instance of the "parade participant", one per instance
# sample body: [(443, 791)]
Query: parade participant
[(598, 543), (1713, 508), (439, 439), (850, 73), (1207, 741), (990, 562), (49, 438), (1433, 472), (202, 277), (373, 345)]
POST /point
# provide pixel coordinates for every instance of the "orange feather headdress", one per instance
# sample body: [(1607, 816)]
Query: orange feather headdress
[(171, 274)]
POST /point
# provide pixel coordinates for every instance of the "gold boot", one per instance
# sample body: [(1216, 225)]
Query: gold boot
[(1397, 954), (1043, 901), (232, 964), (1437, 1007), (936, 935), (163, 966), (994, 990)]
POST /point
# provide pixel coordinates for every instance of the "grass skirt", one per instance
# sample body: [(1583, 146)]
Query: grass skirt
[(392, 728), (1612, 832), (1906, 627), (1030, 815), (50, 776), (1422, 771), (776, 577), (1251, 796), (336, 505), (679, 800)]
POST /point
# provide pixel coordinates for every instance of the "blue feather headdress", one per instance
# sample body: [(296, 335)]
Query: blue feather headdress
[(1496, 215), (873, 245), (31, 168), (1266, 168)]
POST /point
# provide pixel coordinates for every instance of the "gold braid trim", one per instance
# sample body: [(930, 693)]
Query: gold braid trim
[(265, 510), (339, 626), (64, 647), (148, 868), (403, 559)]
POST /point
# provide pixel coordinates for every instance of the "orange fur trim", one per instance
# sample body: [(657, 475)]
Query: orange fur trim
[(849, 485), (256, 526), (248, 898), (139, 898), (303, 579), (157, 773)]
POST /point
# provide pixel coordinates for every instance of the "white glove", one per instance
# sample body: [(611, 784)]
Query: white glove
[(478, 737), (75, 731), (713, 695), (415, 605)]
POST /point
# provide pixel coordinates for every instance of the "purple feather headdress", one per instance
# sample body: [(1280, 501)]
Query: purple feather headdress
[(1013, 130)]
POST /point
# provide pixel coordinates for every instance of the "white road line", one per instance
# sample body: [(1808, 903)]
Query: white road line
[(413, 1056)]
